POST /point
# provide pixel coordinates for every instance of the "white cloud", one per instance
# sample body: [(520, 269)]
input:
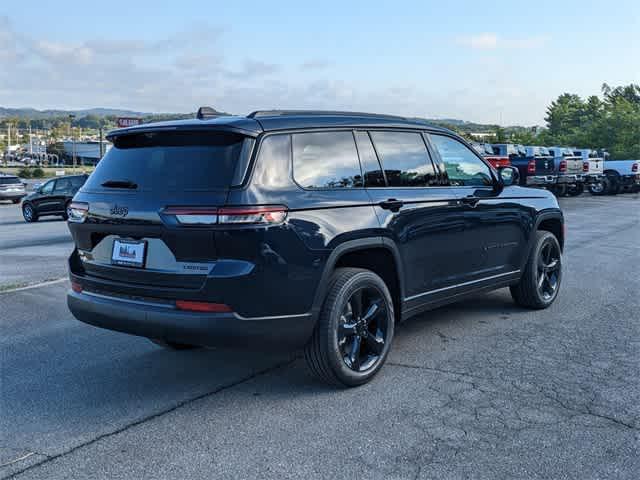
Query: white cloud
[(492, 41)]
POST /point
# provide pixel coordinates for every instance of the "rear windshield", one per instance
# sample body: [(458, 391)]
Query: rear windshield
[(173, 161), (9, 180)]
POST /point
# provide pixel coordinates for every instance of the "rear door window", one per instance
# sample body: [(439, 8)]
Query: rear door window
[(170, 161), (63, 185), (404, 158), (326, 160)]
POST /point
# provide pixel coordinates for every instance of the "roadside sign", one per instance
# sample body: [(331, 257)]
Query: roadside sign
[(59, 173), (123, 122)]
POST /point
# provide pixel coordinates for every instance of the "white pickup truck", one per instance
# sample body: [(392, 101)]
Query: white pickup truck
[(621, 175), (593, 170), (569, 169)]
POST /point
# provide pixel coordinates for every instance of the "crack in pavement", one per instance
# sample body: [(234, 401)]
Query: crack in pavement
[(537, 390), (153, 416)]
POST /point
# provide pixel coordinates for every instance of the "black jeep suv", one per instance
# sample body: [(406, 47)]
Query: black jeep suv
[(294, 228)]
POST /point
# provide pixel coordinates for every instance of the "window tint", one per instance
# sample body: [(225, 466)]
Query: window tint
[(62, 185), (170, 161), (462, 166), (9, 181), (77, 182), (404, 158), (47, 188), (326, 160), (373, 176)]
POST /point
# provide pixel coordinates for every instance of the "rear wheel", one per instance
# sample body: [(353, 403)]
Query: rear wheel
[(173, 345), (540, 282), (614, 184), (576, 190), (560, 190), (354, 332), (599, 188), (29, 213)]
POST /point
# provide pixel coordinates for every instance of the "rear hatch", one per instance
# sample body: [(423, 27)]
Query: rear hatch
[(11, 185), (152, 200)]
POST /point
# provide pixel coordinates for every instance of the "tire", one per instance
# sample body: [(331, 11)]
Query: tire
[(350, 344), (29, 213), (172, 345), (540, 283), (560, 190), (599, 188), (15, 201), (614, 184), (576, 190)]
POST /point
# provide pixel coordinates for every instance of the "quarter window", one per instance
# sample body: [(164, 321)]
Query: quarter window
[(405, 159), (462, 165), (326, 160)]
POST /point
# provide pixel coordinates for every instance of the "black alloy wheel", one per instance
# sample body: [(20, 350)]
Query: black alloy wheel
[(354, 331), (29, 213), (363, 328), (540, 282), (549, 265)]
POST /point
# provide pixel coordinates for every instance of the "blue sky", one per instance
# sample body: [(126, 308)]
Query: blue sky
[(479, 61)]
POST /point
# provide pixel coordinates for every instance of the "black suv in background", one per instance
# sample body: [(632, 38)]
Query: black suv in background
[(314, 229), (52, 197)]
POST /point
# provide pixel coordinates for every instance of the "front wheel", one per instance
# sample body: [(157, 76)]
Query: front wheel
[(355, 329), (29, 213), (540, 282)]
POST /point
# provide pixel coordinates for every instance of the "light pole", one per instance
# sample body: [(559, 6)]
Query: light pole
[(73, 141)]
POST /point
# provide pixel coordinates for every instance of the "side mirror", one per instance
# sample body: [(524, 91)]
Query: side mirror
[(508, 176)]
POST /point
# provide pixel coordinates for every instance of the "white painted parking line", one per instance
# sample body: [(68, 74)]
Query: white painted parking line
[(35, 285)]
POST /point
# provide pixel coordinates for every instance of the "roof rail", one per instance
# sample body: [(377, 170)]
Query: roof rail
[(333, 113), (206, 112)]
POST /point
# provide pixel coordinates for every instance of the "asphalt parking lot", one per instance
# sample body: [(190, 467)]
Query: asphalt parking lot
[(481, 389)]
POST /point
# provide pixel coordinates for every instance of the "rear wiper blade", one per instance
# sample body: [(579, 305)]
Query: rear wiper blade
[(120, 184)]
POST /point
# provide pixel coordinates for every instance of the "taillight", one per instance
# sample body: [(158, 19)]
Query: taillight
[(531, 166), (194, 215), (264, 215), (634, 167), (202, 306), (585, 166), (563, 165), (77, 212), (252, 215)]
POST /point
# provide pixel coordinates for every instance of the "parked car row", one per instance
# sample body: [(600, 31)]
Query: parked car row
[(563, 170)]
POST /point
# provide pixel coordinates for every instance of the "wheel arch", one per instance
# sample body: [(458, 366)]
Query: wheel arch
[(378, 254), (552, 222)]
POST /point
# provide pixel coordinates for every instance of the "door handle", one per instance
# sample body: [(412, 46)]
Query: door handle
[(391, 204), (471, 201)]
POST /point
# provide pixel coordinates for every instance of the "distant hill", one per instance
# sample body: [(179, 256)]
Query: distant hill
[(33, 114)]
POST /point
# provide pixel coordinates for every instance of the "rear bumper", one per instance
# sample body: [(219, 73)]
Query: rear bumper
[(163, 321), (571, 179), (541, 180), (12, 195), (594, 177)]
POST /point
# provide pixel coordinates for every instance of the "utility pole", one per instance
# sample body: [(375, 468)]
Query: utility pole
[(73, 141)]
